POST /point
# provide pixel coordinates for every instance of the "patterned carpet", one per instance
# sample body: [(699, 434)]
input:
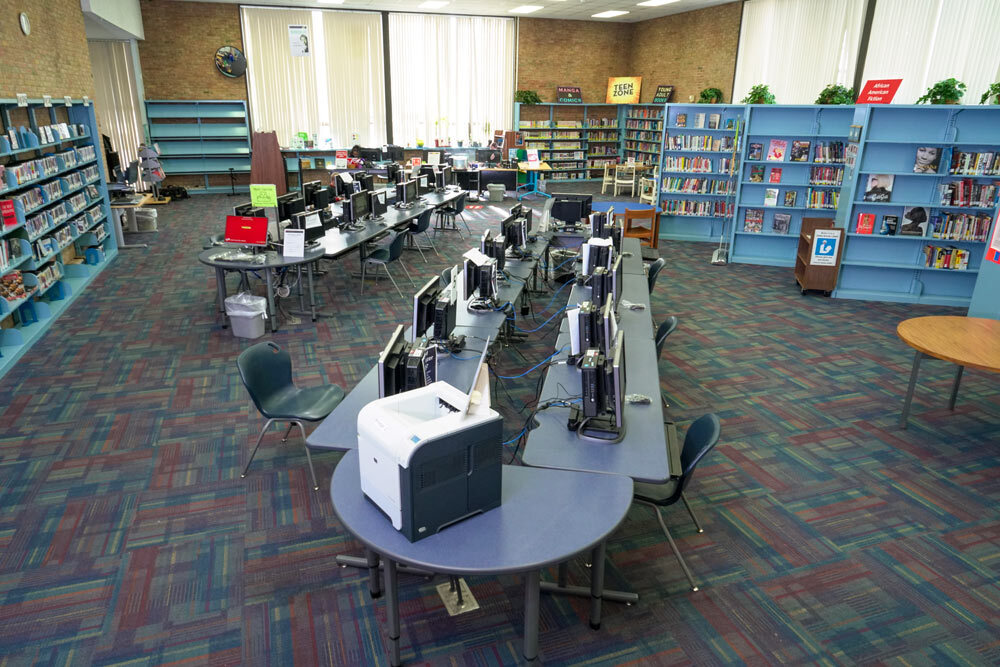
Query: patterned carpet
[(832, 537)]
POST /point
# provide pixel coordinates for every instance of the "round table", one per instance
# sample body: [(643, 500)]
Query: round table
[(545, 517), (965, 341), (273, 260)]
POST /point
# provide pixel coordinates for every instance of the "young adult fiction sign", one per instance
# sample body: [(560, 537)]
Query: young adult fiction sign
[(879, 91), (569, 94), (623, 90), (663, 94)]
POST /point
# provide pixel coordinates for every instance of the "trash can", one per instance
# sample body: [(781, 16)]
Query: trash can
[(497, 192), (247, 314)]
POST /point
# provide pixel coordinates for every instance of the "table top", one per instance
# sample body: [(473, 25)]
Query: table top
[(133, 202), (527, 166), (274, 258), (581, 510), (967, 341)]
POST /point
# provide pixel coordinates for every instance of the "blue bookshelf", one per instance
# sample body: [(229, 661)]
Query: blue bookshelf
[(815, 178), (61, 226), (697, 170), (574, 139), (642, 132), (201, 137), (894, 267)]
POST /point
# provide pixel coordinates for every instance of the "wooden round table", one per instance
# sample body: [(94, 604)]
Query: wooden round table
[(965, 341)]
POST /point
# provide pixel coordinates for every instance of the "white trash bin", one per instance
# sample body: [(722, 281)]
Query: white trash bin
[(247, 314)]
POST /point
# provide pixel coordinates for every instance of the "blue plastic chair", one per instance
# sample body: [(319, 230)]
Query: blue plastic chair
[(701, 437), (420, 226), (654, 271), (448, 215), (666, 328), (383, 257), (266, 371)]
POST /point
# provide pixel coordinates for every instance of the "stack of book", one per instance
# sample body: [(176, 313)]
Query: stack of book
[(967, 192)]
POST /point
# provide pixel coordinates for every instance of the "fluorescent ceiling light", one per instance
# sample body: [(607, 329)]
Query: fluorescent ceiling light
[(433, 4), (611, 13), (526, 9), (656, 3)]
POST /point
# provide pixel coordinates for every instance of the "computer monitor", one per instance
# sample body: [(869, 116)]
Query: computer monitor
[(571, 207), (249, 210), (617, 278), (366, 181), (392, 365), (425, 184), (480, 278), (439, 180), (424, 302), (449, 176), (246, 230), (505, 228), (393, 173), (598, 224), (344, 183), (370, 155), (615, 380), (290, 204), (359, 206), (527, 220), (312, 224), (320, 199), (406, 192), (377, 203), (517, 211), (600, 286), (607, 325), (308, 188)]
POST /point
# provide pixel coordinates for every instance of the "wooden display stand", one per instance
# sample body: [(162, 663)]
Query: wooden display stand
[(810, 276)]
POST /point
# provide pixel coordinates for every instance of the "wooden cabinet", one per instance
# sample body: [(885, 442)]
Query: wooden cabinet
[(812, 276)]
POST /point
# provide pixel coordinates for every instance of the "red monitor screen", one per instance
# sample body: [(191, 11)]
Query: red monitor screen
[(246, 230)]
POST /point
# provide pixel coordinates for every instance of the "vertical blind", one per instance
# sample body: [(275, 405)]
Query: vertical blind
[(452, 77), (933, 40), (335, 91), (116, 101), (798, 47)]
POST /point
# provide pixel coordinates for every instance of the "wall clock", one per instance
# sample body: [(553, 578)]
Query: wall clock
[(25, 23), (230, 61)]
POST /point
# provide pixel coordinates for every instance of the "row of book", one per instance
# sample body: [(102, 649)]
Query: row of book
[(828, 199), (967, 192), (562, 134), (698, 164), (601, 151), (704, 186), (975, 164), (712, 121), (568, 155), (646, 112), (946, 257), (654, 125), (566, 144), (609, 123), (16, 139), (603, 136), (694, 142), (10, 249), (564, 175), (600, 164), (829, 151), (49, 275), (641, 157), (826, 176), (642, 146), (960, 226), (12, 287), (753, 222), (644, 136), (715, 209), (44, 247)]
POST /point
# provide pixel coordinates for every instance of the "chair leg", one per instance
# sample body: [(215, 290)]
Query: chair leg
[(664, 399), (464, 223), (673, 545), (290, 427), (691, 512), (363, 265), (309, 457), (388, 273), (406, 271), (419, 249), (433, 247), (260, 437)]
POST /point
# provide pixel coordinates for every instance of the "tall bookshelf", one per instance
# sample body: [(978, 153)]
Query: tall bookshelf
[(642, 132), (810, 169), (202, 138), (697, 184), (60, 226), (886, 267), (566, 135)]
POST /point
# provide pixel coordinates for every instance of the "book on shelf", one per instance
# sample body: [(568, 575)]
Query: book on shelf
[(771, 197), (826, 175), (753, 220), (829, 151), (713, 121), (755, 152), (800, 151), (889, 225), (865, 224), (914, 221), (879, 188), (699, 120), (927, 160), (950, 257), (975, 164), (776, 150), (681, 120), (757, 173), (961, 226), (789, 197), (782, 221), (775, 175), (967, 192), (730, 123)]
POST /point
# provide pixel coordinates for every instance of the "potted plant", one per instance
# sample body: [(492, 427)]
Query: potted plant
[(836, 94), (710, 96), (992, 93), (949, 91), (759, 94), (527, 97)]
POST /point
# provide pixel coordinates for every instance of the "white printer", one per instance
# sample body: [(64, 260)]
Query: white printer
[(432, 456)]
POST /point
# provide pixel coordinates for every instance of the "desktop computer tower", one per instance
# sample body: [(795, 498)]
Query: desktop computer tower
[(587, 317), (599, 286), (445, 312), (591, 383)]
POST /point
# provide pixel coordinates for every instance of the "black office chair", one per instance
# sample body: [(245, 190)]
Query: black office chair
[(384, 257), (666, 328), (420, 226), (448, 216), (266, 371), (701, 437), (654, 271)]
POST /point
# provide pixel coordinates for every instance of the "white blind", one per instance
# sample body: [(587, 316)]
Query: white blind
[(116, 102), (798, 47), (335, 91), (452, 77), (933, 40)]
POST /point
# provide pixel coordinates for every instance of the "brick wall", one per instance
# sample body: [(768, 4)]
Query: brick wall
[(178, 53), (33, 64), (690, 51)]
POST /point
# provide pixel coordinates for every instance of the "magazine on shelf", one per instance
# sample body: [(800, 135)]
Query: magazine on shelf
[(889, 225), (879, 188), (865, 224), (756, 151), (682, 120), (927, 160), (775, 175), (789, 197), (757, 173), (914, 221), (699, 120), (782, 221), (800, 151), (771, 197), (776, 150), (713, 121), (753, 220)]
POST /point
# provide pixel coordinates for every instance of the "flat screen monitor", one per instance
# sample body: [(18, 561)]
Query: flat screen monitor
[(506, 228), (248, 209), (393, 173), (425, 184), (517, 211), (445, 312), (290, 204), (608, 324), (449, 176), (370, 155), (320, 199), (527, 220), (424, 302), (567, 210), (366, 181), (470, 277), (359, 206), (615, 371), (308, 188), (376, 203), (439, 180), (411, 190), (617, 276), (487, 155), (485, 243), (311, 223), (392, 365), (246, 230)]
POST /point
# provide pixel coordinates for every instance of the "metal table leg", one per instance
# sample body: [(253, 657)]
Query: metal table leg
[(302, 302), (596, 584), (909, 390), (372, 559), (272, 311), (362, 563), (220, 284), (392, 610), (954, 387), (531, 602), (312, 292)]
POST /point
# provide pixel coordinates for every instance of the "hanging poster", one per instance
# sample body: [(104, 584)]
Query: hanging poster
[(569, 95), (340, 161), (298, 39), (623, 89), (663, 94), (879, 91)]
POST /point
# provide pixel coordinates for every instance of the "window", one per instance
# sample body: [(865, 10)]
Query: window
[(116, 102), (452, 77)]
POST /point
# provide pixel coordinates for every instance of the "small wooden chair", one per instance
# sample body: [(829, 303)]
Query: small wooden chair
[(609, 177), (647, 190), (640, 224), (625, 178)]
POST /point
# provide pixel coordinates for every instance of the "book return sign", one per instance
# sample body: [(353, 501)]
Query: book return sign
[(569, 95)]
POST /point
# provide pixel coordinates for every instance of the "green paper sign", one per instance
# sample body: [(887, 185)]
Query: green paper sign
[(263, 195)]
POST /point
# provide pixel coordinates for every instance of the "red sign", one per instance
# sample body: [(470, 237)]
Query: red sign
[(993, 252), (246, 230), (879, 91), (7, 213)]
